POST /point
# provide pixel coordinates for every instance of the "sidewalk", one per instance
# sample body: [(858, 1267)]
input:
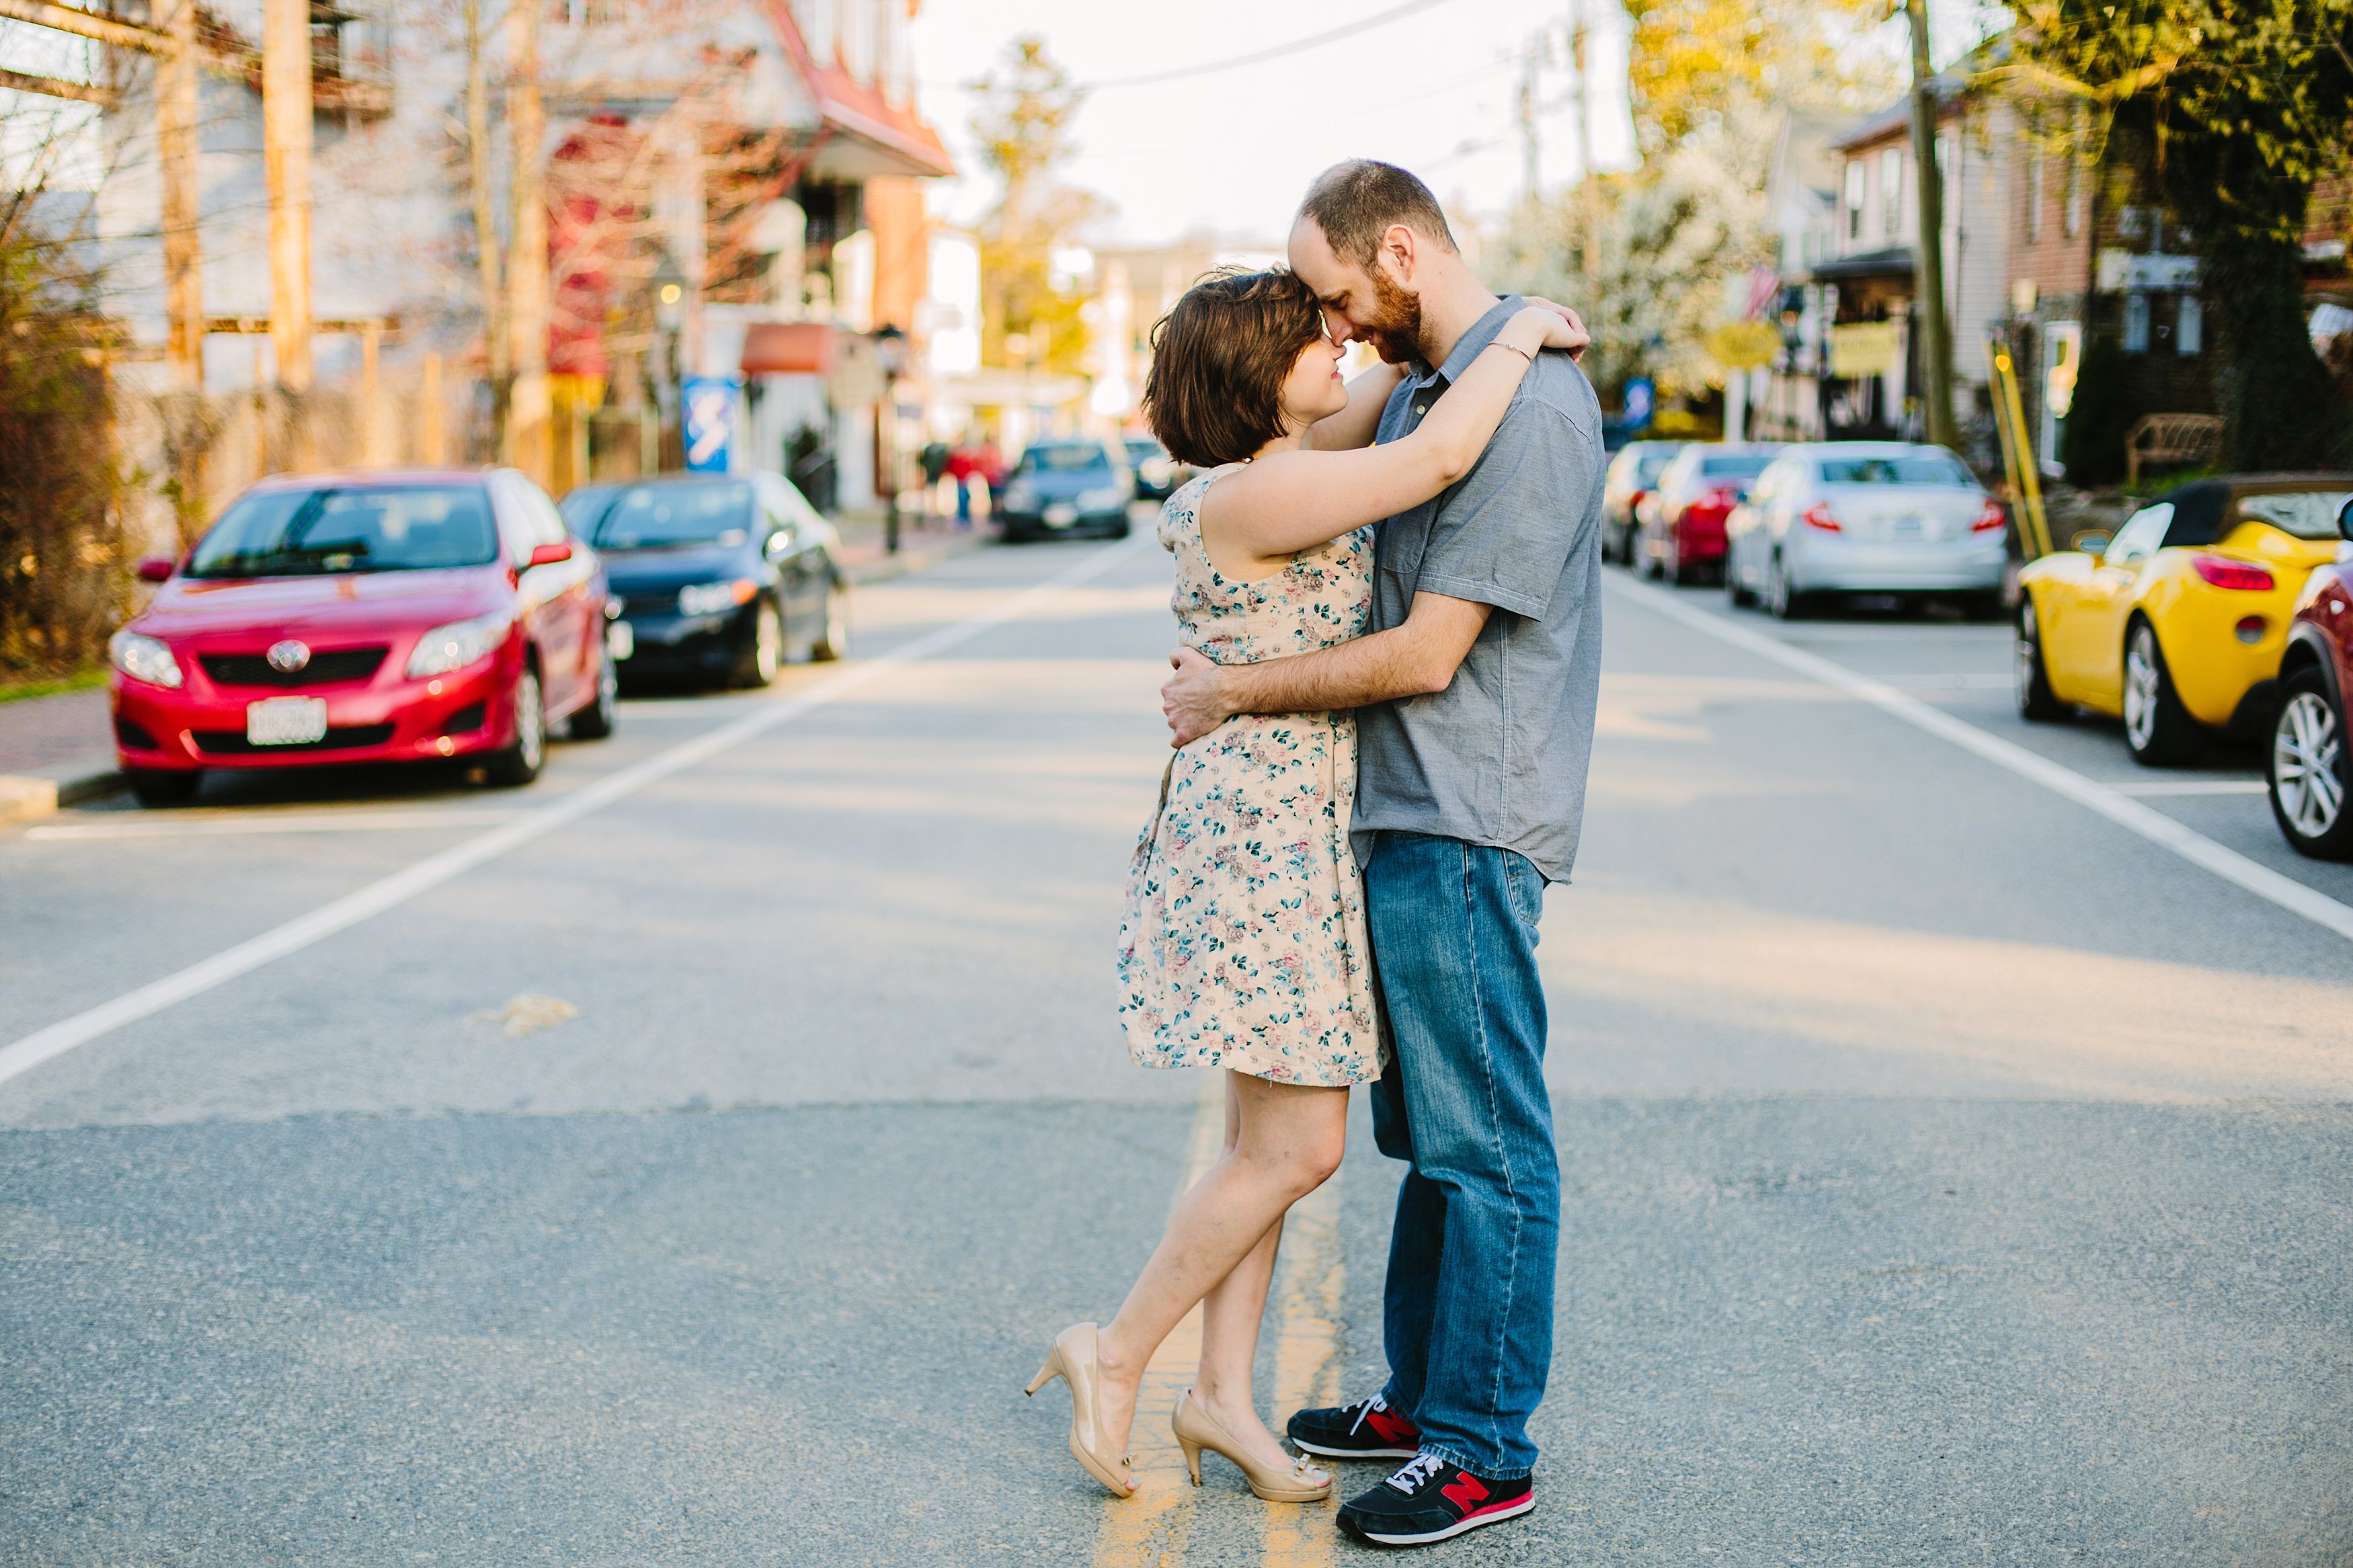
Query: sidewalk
[(54, 751), (921, 541)]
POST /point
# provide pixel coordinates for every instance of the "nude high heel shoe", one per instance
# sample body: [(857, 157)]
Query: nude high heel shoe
[(1075, 1360), (1197, 1429)]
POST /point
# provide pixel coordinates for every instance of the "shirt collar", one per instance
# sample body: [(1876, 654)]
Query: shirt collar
[(1471, 344)]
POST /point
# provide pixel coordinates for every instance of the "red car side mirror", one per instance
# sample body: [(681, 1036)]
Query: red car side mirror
[(155, 569), (548, 554)]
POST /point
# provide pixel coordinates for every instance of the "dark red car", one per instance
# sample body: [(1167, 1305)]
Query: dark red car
[(1679, 524), (2310, 772), (363, 618)]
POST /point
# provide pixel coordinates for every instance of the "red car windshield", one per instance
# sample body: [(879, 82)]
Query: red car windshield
[(365, 527)]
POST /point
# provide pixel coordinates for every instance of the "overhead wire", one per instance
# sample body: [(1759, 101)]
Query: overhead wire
[(1207, 67)]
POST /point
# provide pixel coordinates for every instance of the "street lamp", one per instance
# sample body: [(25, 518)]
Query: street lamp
[(669, 315), (890, 357)]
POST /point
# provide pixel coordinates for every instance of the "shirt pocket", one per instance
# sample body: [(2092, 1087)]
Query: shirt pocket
[(1404, 540)]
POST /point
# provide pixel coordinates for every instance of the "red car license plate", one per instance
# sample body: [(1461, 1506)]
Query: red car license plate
[(286, 720)]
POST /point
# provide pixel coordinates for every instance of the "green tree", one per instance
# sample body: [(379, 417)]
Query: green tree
[(1023, 125), (2246, 104)]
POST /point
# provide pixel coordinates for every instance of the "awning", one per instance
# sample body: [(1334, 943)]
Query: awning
[(1894, 263), (865, 135)]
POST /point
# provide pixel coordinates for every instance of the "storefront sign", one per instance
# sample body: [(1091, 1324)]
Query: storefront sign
[(1864, 348)]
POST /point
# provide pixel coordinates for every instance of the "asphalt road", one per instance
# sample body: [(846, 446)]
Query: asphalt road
[(685, 1161)]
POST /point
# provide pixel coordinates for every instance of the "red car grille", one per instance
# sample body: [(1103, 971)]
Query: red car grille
[(324, 669), (348, 738)]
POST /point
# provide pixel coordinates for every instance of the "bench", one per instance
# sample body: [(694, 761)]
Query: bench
[(2171, 439)]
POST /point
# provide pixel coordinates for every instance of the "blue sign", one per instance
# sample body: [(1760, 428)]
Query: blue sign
[(1640, 403), (710, 401)]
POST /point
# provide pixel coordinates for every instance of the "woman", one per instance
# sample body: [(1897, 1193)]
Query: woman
[(1244, 944)]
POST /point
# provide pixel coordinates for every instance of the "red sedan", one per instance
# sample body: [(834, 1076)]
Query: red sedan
[(1681, 521), (364, 618)]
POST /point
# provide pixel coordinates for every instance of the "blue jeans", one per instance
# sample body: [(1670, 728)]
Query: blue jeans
[(1467, 1311)]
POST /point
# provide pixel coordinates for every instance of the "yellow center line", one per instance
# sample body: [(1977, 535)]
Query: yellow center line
[(1308, 1367), (1150, 1529)]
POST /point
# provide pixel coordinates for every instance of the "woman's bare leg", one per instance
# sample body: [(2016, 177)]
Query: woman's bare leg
[(1232, 1315), (1287, 1139)]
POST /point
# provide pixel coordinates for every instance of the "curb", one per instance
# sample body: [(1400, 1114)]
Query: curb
[(42, 792)]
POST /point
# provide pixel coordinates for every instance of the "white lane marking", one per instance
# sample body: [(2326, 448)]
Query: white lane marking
[(2109, 802), (265, 822), (24, 1055), (2192, 786)]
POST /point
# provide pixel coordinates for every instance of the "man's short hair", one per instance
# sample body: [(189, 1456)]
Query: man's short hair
[(1357, 202)]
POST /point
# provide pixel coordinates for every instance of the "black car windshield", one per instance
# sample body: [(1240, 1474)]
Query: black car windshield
[(649, 516), (1739, 466), (2307, 514), (1065, 457), (299, 533), (1898, 468)]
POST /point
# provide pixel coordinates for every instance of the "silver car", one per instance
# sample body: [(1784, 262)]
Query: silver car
[(1865, 517)]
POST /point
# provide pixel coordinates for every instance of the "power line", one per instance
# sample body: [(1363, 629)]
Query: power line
[(1349, 29)]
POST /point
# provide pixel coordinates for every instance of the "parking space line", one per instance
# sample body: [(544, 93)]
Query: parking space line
[(24, 1055), (2106, 799)]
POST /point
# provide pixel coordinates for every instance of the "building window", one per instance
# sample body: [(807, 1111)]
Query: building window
[(2038, 174), (2189, 327), (1891, 191), (1854, 199), (2135, 323)]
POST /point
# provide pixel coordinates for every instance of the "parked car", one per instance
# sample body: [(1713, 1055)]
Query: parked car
[(1067, 488), (716, 578), (1865, 517), (2308, 765), (2177, 624), (1631, 473), (1680, 523), (1157, 474), (365, 617)]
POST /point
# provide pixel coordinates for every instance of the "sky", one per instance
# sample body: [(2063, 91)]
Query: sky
[(1436, 91)]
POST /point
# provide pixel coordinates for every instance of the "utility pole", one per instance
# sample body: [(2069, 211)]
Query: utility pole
[(1936, 353), (286, 167), (176, 149), (486, 222), (1588, 193), (1531, 62), (528, 415)]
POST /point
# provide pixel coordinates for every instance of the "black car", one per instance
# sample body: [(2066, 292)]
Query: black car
[(1063, 488), (1157, 474), (714, 578)]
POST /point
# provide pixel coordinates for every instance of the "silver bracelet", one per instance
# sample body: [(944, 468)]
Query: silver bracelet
[(1524, 353)]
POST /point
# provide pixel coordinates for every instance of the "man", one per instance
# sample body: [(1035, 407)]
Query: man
[(1475, 687)]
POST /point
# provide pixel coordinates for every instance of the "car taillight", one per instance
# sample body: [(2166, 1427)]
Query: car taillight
[(1819, 516), (2222, 573), (1989, 517)]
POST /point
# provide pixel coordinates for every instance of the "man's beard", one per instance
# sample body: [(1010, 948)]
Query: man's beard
[(1395, 330)]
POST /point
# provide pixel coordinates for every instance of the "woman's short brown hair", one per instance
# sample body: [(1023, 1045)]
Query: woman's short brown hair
[(1214, 394)]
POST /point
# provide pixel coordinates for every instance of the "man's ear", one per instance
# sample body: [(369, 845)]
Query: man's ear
[(1401, 250)]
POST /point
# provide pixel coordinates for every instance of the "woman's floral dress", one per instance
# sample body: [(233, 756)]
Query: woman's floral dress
[(1244, 944)]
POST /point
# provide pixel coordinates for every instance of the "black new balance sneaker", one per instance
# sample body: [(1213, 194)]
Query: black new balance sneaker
[(1368, 1429), (1429, 1499)]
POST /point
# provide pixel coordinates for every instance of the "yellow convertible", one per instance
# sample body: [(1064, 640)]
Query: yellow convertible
[(2176, 624)]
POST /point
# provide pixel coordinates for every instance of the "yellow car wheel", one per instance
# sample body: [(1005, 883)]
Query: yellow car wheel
[(2036, 701), (2157, 729)]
